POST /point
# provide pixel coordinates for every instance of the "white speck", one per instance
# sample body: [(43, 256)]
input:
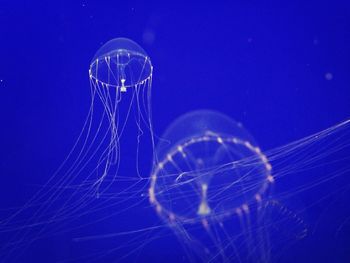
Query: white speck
[(328, 76)]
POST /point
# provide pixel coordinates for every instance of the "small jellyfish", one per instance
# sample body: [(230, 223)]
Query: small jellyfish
[(121, 77), (328, 76), (121, 64)]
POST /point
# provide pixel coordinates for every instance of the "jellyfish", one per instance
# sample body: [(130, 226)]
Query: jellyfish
[(210, 169), (215, 187), (120, 75), (205, 157)]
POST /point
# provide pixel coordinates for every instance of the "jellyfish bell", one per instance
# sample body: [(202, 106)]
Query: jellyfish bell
[(120, 63), (210, 165)]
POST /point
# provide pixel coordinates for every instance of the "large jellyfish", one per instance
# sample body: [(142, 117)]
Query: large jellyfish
[(215, 188), (216, 159)]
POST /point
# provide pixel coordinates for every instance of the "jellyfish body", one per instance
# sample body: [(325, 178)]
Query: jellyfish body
[(120, 80), (121, 76), (226, 172), (209, 171), (215, 188), (122, 64)]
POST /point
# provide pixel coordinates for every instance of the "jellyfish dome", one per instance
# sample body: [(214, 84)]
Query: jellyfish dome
[(209, 168), (120, 63)]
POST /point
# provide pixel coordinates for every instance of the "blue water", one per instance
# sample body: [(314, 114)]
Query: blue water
[(281, 69)]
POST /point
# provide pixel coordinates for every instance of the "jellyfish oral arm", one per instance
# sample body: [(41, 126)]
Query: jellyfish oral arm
[(204, 208), (123, 88)]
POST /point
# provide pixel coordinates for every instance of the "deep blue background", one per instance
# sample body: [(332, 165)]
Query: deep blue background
[(264, 64)]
